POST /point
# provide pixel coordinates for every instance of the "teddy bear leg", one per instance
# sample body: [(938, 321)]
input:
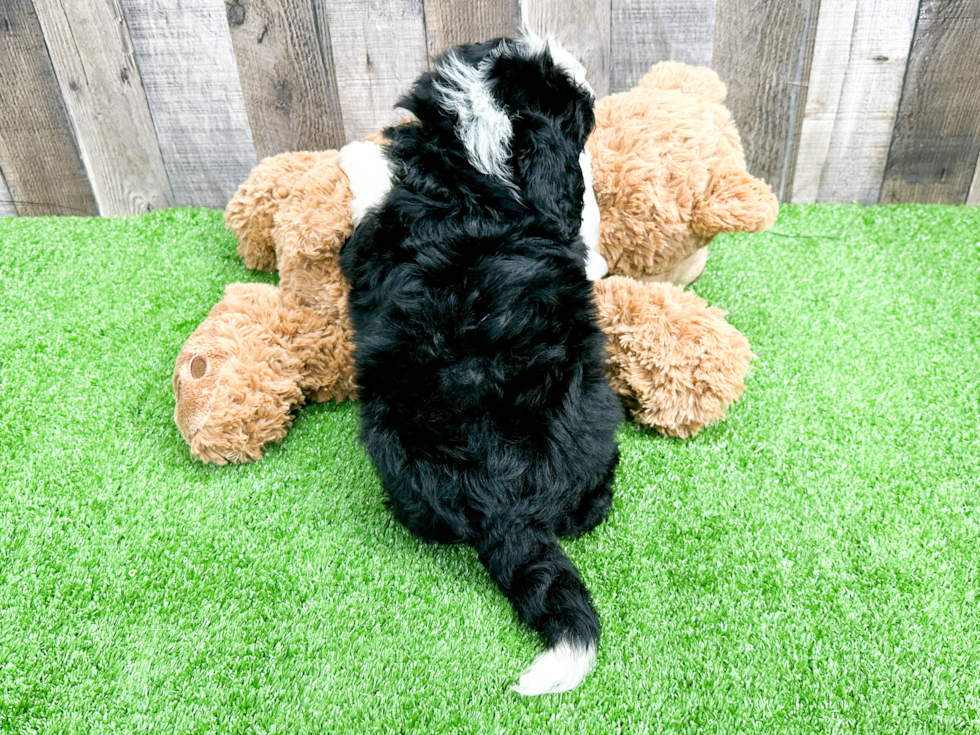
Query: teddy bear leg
[(675, 361)]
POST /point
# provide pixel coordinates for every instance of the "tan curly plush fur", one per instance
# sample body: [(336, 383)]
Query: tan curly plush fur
[(675, 360), (264, 351), (669, 175)]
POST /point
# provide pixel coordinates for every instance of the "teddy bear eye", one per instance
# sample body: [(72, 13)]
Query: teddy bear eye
[(199, 366)]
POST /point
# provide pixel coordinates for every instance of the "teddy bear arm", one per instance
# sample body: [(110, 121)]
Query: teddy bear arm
[(734, 201)]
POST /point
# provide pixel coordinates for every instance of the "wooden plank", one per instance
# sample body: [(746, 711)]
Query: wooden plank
[(452, 22), (973, 198), (38, 155), (379, 49), (289, 87), (100, 83), (7, 208), (187, 63), (831, 54), (584, 29), (763, 50), (936, 140), (644, 32), (868, 104)]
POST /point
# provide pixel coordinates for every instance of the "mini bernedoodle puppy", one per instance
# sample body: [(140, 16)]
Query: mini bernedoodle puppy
[(484, 401)]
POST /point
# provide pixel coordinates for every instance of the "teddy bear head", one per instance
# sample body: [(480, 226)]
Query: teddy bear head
[(669, 174)]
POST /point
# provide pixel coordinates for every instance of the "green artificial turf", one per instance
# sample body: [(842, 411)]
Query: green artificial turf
[(811, 563)]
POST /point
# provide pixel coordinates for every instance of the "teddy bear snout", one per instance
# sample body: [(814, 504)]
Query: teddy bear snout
[(189, 422), (191, 410), (199, 367)]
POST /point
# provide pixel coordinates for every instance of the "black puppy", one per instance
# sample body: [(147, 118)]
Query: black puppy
[(484, 401)]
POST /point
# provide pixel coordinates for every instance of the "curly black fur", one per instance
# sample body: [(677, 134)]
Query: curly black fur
[(483, 396)]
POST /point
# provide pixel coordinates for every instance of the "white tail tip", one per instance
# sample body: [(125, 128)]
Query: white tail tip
[(559, 669)]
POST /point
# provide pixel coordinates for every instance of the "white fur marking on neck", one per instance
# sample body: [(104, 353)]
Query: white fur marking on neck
[(559, 669), (595, 265), (483, 127), (370, 176)]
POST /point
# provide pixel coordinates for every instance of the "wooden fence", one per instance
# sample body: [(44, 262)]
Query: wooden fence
[(117, 107)]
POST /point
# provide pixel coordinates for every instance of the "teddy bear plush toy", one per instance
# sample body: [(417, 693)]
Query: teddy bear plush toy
[(668, 175)]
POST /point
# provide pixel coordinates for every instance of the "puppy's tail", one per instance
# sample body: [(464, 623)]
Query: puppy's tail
[(545, 589)]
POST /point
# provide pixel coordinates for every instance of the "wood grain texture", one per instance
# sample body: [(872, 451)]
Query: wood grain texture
[(854, 166), (100, 83), (38, 154), (379, 48), (7, 208), (763, 50), (973, 198), (452, 22), (289, 88), (831, 53), (644, 32), (936, 139), (583, 27), (187, 64)]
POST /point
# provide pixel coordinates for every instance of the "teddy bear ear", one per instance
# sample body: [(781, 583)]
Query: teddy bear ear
[(696, 80), (734, 201), (251, 213)]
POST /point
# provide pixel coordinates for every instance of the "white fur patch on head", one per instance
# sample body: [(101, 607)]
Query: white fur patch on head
[(531, 44), (572, 66), (370, 176), (483, 127), (595, 265), (559, 669)]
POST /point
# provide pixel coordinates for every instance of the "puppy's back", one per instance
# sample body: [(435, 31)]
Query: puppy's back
[(485, 406)]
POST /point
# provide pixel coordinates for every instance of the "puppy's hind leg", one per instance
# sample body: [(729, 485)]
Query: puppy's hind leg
[(425, 524), (592, 508)]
